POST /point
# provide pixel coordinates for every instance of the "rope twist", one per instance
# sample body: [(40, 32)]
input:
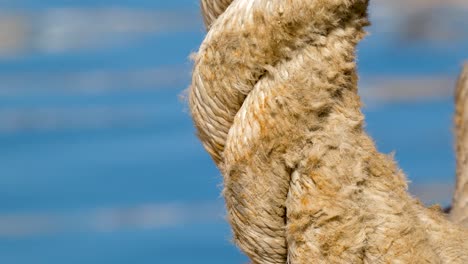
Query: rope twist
[(274, 100)]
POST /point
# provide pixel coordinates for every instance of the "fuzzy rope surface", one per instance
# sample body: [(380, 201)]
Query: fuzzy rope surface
[(274, 100)]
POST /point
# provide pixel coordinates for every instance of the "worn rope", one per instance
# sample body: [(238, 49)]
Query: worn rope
[(274, 100)]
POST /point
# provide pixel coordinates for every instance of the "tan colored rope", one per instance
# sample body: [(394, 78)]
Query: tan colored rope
[(212, 9), (274, 100), (459, 212)]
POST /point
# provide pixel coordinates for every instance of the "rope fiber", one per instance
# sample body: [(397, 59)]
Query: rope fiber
[(275, 103)]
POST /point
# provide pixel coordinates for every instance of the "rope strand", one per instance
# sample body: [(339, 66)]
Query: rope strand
[(274, 100)]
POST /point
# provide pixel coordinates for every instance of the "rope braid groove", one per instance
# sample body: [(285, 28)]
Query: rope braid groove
[(275, 103)]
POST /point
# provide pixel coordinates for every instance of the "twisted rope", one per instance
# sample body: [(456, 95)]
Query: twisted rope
[(274, 100), (459, 212)]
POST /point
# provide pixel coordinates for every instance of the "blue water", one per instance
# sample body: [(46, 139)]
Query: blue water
[(153, 155), (191, 244)]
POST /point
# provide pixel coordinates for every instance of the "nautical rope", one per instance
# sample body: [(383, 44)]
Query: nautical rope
[(274, 100), (459, 213)]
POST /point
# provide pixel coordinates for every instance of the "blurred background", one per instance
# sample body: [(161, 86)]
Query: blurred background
[(99, 162)]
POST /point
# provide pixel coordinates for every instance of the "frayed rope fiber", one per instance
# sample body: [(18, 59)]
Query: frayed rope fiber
[(275, 103)]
